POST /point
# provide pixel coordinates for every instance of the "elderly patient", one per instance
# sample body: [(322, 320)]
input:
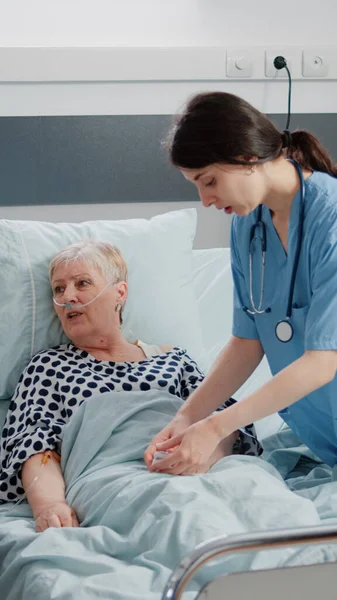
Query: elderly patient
[(98, 359)]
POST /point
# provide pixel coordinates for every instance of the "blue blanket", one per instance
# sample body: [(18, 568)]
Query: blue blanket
[(136, 525)]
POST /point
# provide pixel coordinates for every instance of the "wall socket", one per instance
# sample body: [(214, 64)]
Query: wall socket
[(270, 55), (257, 62), (315, 63)]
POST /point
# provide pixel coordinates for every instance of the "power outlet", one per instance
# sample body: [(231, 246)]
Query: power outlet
[(270, 56), (315, 62)]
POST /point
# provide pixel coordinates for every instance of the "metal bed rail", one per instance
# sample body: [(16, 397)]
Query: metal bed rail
[(257, 541)]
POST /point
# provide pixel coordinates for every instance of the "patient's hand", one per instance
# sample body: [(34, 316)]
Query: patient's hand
[(196, 450), (45, 491), (225, 448), (55, 514), (178, 424)]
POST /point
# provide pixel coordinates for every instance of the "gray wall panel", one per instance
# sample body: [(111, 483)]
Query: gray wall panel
[(323, 126), (104, 159), (107, 159), (19, 160)]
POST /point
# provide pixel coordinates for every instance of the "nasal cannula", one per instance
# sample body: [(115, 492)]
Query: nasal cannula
[(70, 305)]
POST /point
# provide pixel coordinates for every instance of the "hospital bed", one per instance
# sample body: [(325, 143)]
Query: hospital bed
[(294, 575), (302, 582)]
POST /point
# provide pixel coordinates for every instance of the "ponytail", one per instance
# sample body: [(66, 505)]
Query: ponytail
[(309, 153)]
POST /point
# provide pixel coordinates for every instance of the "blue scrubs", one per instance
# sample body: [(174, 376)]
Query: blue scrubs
[(314, 313)]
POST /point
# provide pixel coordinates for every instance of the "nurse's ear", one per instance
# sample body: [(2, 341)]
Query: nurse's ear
[(249, 170), (244, 159), (246, 164), (249, 158)]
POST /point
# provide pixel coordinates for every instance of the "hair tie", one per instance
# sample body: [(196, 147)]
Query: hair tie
[(287, 138)]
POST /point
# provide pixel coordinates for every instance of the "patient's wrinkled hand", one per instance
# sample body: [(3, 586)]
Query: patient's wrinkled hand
[(57, 514)]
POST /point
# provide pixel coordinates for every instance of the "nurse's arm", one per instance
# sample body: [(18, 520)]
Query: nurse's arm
[(310, 372), (234, 365)]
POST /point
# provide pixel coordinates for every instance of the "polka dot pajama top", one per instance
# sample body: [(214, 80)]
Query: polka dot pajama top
[(57, 381)]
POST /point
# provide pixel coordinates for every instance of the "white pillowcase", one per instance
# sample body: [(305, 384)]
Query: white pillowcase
[(214, 290), (161, 308)]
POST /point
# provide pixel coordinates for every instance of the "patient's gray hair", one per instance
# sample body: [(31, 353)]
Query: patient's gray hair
[(101, 255)]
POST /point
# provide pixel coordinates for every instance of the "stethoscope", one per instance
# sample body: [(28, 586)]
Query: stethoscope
[(284, 330)]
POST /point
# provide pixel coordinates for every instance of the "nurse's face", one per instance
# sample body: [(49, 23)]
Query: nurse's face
[(233, 188)]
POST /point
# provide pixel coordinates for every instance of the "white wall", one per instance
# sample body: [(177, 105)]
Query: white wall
[(166, 22), (171, 23), (68, 23)]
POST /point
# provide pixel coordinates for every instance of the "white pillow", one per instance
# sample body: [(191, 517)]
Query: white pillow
[(214, 290), (161, 308)]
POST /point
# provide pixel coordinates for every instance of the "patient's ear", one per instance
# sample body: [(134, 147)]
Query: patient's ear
[(122, 292)]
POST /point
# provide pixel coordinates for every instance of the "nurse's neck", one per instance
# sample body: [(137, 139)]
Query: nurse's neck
[(282, 184)]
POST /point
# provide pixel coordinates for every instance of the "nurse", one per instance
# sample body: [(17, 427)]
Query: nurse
[(282, 191)]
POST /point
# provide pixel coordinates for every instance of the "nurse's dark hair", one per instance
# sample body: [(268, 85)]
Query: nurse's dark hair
[(217, 127)]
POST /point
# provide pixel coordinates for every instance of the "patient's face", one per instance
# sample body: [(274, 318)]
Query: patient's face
[(78, 283)]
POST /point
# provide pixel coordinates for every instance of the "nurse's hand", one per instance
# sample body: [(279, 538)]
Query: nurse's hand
[(193, 449), (178, 425)]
